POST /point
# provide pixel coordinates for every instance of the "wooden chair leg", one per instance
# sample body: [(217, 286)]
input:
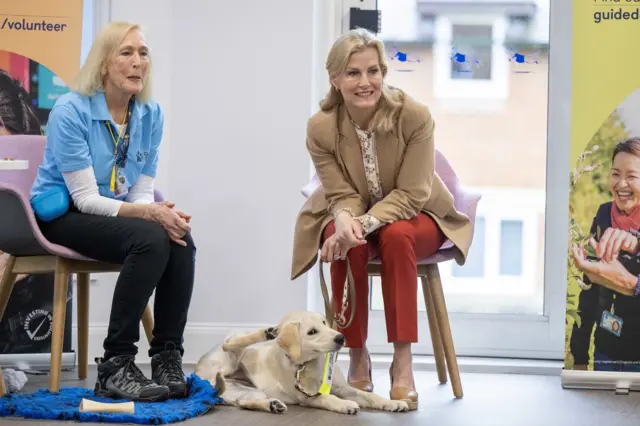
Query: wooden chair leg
[(61, 284), (6, 284), (437, 293), (83, 324), (147, 323), (6, 287), (436, 339)]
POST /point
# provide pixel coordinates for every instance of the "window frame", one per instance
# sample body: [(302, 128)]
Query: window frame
[(446, 88)]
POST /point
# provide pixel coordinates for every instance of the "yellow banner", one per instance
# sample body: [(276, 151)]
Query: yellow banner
[(603, 311)]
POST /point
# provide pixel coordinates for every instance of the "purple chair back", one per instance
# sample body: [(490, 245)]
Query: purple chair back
[(19, 235), (447, 175), (464, 201), (22, 147), (19, 231)]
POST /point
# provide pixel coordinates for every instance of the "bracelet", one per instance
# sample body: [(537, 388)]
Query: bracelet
[(637, 291)]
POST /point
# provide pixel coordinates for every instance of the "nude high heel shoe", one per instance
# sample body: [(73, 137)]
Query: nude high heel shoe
[(400, 393), (363, 385)]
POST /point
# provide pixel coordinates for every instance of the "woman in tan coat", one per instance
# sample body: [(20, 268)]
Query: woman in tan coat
[(373, 151)]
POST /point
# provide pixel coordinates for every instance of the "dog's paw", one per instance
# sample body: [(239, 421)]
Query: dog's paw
[(277, 406), (271, 333), (348, 407), (394, 406)]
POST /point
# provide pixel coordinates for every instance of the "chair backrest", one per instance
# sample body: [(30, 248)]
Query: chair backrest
[(22, 147), (448, 177)]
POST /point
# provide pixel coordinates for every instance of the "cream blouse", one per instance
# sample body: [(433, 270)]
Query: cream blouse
[(370, 160)]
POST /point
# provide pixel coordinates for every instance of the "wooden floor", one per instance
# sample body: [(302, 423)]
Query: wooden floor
[(491, 400)]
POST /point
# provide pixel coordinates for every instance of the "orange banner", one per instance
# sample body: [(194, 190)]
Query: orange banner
[(40, 50), (44, 31)]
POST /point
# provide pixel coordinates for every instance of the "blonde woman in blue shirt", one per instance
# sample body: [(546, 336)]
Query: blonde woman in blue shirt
[(94, 193)]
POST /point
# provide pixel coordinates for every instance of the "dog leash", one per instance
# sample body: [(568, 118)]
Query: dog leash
[(349, 292)]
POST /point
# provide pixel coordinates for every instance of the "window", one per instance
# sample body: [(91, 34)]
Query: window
[(511, 242), (470, 62), (471, 52)]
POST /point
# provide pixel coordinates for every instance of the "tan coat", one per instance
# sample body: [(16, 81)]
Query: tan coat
[(406, 159)]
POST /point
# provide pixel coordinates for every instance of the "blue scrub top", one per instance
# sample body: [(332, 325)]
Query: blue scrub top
[(77, 137)]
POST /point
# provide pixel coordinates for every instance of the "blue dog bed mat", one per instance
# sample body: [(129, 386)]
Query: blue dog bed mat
[(65, 405)]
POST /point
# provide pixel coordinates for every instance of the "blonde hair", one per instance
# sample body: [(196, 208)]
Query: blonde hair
[(90, 79), (355, 41)]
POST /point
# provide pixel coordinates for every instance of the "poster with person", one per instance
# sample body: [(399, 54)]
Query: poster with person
[(40, 48), (603, 259)]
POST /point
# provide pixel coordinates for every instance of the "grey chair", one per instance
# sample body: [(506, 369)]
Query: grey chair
[(31, 253)]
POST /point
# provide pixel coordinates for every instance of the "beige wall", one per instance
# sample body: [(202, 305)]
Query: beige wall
[(506, 147)]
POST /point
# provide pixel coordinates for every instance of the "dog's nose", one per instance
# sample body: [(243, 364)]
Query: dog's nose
[(339, 339)]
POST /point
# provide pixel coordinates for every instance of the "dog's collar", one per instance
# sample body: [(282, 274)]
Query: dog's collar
[(299, 369), (327, 375)]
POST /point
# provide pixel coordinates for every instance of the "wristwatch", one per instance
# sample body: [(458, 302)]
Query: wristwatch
[(637, 292)]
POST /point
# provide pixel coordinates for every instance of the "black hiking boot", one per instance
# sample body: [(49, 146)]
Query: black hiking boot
[(166, 370), (120, 377)]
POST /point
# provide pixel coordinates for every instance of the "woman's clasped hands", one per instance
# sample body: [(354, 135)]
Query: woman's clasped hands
[(608, 271), (175, 222), (349, 233)]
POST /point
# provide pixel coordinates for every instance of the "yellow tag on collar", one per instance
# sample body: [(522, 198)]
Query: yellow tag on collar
[(327, 375)]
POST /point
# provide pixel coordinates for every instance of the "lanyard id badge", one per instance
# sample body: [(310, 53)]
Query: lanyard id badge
[(118, 181), (611, 322)]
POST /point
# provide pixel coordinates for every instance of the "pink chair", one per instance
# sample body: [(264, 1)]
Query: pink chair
[(31, 253), (466, 202)]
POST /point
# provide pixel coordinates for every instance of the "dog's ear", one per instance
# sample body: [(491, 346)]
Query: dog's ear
[(289, 339)]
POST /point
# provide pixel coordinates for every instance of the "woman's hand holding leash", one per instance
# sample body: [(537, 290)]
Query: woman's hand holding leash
[(332, 250), (349, 231)]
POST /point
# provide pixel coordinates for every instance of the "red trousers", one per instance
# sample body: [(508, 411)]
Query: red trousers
[(398, 245)]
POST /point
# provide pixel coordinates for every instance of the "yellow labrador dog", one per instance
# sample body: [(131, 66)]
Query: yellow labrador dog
[(273, 367)]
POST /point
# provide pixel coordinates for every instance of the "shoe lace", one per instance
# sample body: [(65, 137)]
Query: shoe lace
[(173, 367), (130, 368)]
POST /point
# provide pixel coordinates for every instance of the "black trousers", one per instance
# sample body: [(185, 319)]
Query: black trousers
[(150, 261)]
